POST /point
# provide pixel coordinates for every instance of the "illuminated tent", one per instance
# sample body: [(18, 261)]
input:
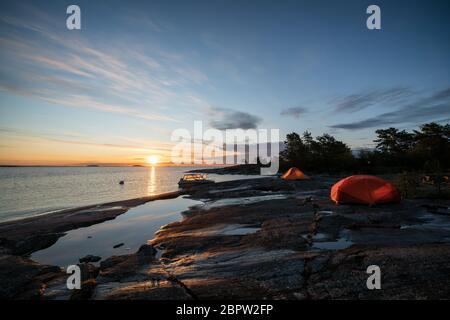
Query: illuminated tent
[(294, 174), (364, 189)]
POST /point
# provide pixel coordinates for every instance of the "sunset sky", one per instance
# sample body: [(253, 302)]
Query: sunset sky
[(114, 91)]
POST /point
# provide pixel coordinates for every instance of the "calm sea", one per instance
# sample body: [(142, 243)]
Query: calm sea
[(28, 191)]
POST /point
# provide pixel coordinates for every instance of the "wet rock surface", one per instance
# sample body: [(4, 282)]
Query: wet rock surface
[(90, 258), (306, 246), (246, 169), (266, 238), (136, 276), (36, 233), (22, 278), (407, 272)]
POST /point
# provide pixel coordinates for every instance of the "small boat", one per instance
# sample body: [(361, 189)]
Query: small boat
[(193, 179)]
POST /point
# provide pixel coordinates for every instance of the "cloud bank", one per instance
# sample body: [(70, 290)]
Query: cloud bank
[(294, 112), (363, 100), (434, 107), (224, 119)]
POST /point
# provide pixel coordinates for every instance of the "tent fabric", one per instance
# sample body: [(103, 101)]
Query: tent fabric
[(364, 189), (294, 174)]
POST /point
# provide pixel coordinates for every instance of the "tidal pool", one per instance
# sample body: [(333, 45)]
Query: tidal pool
[(133, 228), (340, 243)]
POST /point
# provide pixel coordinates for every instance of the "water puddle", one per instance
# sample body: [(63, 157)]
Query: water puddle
[(342, 242), (223, 230), (233, 177), (129, 230), (320, 236), (308, 193), (239, 230), (241, 201), (325, 213), (229, 190), (431, 221), (100, 209)]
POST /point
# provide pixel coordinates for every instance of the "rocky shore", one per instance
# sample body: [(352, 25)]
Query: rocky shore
[(243, 169), (32, 234), (262, 238)]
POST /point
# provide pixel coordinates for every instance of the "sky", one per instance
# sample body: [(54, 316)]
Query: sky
[(114, 91)]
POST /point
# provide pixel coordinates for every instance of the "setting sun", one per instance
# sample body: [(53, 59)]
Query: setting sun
[(153, 160)]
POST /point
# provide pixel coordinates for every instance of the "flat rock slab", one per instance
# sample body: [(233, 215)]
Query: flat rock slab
[(407, 272), (305, 245), (266, 238), (22, 278), (143, 290)]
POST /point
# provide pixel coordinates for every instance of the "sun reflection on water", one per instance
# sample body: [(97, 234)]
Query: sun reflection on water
[(152, 181)]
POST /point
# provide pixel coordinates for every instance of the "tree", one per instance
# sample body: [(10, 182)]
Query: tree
[(396, 150), (325, 153), (308, 140), (331, 154), (393, 142), (294, 149), (432, 143), (394, 147)]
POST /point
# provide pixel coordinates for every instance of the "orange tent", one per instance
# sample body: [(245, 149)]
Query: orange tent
[(365, 190), (294, 174)]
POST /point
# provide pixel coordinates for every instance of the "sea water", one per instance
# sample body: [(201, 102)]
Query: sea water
[(29, 191)]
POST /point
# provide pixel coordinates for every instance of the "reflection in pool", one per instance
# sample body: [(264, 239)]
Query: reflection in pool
[(321, 241), (339, 244), (133, 228)]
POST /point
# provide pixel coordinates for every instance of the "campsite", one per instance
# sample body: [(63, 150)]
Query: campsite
[(301, 234), (262, 238), (200, 151)]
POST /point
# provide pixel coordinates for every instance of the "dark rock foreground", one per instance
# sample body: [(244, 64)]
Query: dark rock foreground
[(266, 238)]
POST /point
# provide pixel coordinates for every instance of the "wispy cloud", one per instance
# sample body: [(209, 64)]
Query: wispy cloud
[(145, 19), (363, 100), (81, 101), (60, 65), (79, 139), (434, 107), (229, 62), (74, 72), (294, 112)]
